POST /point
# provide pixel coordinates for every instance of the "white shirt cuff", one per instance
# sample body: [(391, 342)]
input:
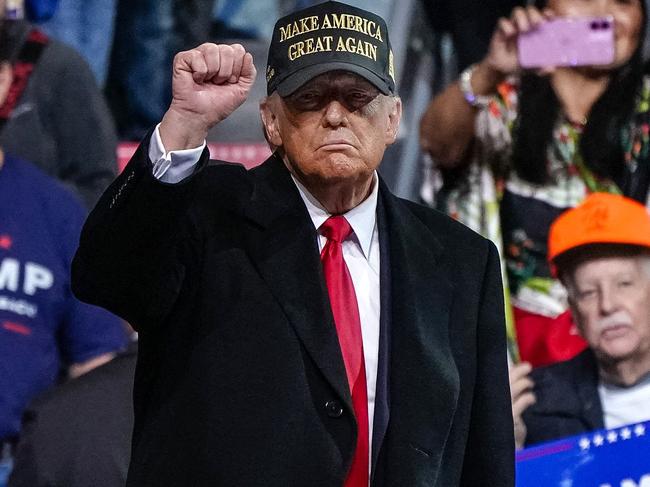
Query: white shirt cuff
[(174, 166)]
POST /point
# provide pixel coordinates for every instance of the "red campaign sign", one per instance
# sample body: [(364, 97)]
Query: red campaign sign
[(248, 154)]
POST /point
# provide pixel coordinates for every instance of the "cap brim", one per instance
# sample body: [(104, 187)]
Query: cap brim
[(299, 78)]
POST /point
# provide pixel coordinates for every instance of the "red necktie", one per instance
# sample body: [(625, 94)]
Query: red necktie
[(345, 309)]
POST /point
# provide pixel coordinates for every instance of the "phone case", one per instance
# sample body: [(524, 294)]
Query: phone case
[(568, 41)]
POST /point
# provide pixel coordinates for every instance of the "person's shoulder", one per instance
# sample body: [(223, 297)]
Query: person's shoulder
[(443, 226), (45, 185), (464, 252), (226, 169), (110, 379), (59, 52), (90, 416), (60, 63), (566, 373), (237, 184), (227, 183), (48, 193), (560, 391), (49, 188)]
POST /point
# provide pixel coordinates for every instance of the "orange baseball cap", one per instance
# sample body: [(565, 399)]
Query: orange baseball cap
[(602, 218)]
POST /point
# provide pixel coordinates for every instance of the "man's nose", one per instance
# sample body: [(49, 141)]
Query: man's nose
[(335, 114), (608, 300)]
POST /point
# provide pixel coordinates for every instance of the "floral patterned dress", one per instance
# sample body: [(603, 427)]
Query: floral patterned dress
[(516, 216)]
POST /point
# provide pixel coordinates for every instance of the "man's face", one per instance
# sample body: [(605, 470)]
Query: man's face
[(611, 304), (333, 129)]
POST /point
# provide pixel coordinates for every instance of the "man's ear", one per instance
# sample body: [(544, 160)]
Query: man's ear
[(394, 117), (268, 108)]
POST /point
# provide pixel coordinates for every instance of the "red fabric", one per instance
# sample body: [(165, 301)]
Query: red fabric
[(543, 340), (345, 309)]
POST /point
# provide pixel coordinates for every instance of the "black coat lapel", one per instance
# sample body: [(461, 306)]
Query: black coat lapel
[(382, 390), (424, 381), (283, 245)]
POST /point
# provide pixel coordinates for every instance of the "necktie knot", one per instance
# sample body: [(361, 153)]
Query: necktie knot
[(336, 228)]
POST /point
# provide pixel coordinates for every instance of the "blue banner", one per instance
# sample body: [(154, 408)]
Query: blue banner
[(607, 458)]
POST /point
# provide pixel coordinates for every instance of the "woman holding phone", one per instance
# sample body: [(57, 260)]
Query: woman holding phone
[(517, 147)]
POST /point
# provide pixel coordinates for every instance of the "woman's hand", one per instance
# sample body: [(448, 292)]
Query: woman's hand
[(502, 57)]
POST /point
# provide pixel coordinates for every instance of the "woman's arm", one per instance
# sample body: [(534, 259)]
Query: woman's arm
[(447, 127)]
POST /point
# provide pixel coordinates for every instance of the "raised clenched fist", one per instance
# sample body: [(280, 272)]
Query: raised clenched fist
[(208, 84)]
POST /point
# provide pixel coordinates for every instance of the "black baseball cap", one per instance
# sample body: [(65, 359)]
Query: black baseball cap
[(326, 37)]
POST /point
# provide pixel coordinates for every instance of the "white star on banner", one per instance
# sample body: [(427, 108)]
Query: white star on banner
[(612, 437), (598, 440), (639, 430), (584, 443), (626, 434)]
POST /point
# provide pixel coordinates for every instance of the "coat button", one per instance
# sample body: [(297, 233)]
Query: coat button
[(334, 409)]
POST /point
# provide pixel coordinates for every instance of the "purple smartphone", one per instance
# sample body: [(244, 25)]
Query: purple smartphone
[(568, 41)]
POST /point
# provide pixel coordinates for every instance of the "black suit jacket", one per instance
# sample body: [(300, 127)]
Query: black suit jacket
[(240, 379), (567, 400), (79, 433)]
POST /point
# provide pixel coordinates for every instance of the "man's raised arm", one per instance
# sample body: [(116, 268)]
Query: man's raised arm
[(137, 244)]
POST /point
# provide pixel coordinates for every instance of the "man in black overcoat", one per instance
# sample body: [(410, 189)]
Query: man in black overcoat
[(254, 315)]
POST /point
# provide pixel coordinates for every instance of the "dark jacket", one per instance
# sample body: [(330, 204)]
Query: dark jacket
[(240, 379), (567, 400), (79, 434)]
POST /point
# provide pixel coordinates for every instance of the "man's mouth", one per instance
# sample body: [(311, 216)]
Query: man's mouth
[(615, 331), (336, 144)]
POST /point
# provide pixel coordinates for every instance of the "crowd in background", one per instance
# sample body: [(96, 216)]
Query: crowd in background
[(513, 150)]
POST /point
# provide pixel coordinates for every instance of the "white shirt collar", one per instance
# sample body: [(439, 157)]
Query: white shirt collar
[(362, 218)]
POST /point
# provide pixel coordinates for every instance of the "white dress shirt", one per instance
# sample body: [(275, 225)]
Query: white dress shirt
[(360, 251), (174, 166)]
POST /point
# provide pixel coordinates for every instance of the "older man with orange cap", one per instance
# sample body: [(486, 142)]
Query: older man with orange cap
[(601, 252)]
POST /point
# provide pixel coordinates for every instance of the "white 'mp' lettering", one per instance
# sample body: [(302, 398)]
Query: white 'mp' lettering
[(9, 273), (36, 277)]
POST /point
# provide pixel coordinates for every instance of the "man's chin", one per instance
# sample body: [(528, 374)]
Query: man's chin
[(341, 168), (618, 349)]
